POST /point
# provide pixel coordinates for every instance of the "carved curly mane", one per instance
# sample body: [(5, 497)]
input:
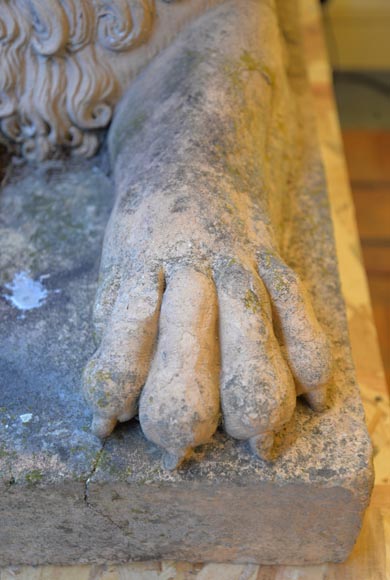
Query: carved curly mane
[(57, 87)]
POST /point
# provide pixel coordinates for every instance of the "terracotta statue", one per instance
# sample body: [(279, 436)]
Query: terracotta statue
[(198, 317)]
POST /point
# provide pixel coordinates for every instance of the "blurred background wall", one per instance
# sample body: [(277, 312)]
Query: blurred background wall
[(358, 33), (358, 38)]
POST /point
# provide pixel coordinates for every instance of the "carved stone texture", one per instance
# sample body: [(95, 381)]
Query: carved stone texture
[(57, 86), (100, 502), (65, 63), (218, 176), (198, 316)]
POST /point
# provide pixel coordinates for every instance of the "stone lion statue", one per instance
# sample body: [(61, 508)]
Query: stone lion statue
[(198, 317)]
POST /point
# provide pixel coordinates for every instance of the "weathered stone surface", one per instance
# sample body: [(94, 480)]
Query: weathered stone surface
[(68, 498), (306, 507), (53, 220), (207, 150), (69, 65)]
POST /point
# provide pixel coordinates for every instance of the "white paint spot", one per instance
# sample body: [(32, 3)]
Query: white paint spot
[(26, 293), (26, 418)]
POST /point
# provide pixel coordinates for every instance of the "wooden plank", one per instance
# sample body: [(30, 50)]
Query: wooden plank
[(367, 155), (376, 260), (380, 296), (372, 205)]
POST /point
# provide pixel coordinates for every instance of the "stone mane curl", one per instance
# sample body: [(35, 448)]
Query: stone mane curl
[(57, 86)]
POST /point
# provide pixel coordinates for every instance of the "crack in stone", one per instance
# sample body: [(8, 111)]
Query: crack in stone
[(109, 519), (95, 465), (9, 484)]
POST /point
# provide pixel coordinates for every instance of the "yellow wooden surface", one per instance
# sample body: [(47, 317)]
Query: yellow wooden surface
[(370, 559), (367, 157)]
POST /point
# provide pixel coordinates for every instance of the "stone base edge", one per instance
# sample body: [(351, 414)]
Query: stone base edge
[(265, 523)]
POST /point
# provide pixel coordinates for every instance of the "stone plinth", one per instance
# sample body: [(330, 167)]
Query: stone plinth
[(68, 498)]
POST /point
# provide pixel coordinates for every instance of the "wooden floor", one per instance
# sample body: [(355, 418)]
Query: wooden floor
[(368, 159)]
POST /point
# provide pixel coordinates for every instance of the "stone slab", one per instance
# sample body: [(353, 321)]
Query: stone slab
[(67, 498)]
